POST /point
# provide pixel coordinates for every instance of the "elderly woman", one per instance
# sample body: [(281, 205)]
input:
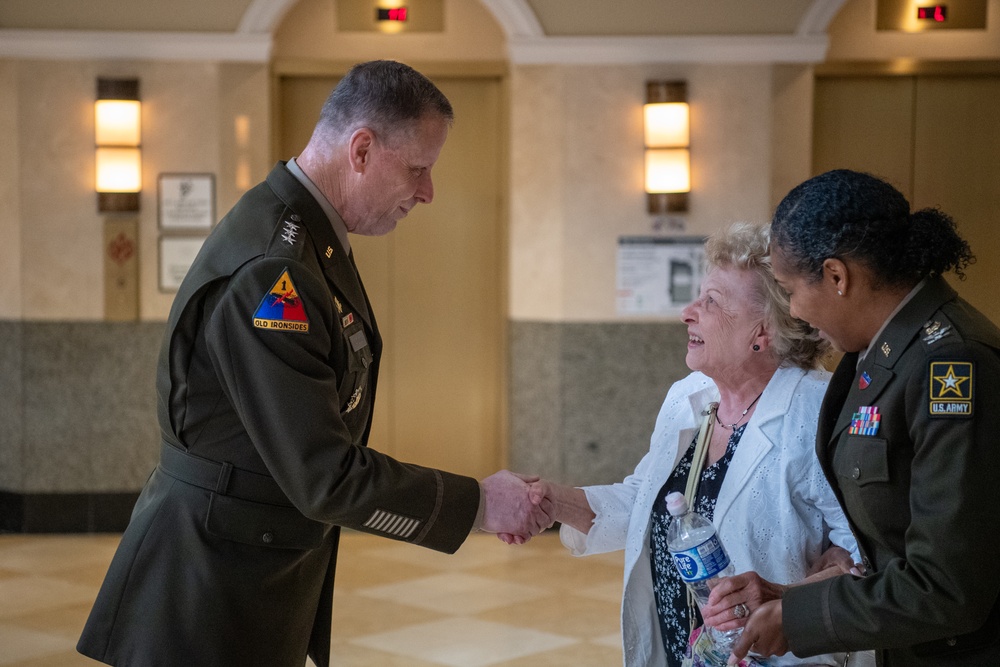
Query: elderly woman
[(761, 484), (907, 433)]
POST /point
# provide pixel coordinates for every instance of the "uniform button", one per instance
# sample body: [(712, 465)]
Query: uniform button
[(856, 473), (951, 641), (267, 538)]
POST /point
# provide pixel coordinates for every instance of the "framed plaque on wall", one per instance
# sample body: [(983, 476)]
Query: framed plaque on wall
[(186, 202), (177, 253)]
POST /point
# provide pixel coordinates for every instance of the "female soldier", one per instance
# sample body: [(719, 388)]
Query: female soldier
[(907, 434)]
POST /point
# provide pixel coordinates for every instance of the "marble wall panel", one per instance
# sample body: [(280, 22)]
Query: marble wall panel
[(89, 406), (584, 396)]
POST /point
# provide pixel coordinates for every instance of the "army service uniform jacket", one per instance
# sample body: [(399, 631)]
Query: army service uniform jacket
[(265, 385), (910, 441)]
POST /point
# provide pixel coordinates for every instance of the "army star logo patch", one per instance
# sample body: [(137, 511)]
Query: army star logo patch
[(950, 389), (282, 309)]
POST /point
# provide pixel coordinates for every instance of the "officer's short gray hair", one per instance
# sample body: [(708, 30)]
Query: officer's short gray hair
[(383, 95)]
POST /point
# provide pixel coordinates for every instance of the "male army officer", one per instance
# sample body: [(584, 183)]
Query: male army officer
[(266, 384)]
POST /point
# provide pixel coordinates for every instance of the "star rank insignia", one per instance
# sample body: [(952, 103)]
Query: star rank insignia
[(290, 233), (950, 389)]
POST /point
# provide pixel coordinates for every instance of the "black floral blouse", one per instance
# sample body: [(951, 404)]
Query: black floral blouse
[(668, 589)]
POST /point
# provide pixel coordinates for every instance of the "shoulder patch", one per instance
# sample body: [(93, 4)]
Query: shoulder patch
[(951, 385), (282, 308)]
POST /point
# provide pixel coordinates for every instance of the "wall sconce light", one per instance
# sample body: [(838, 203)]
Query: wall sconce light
[(118, 135), (668, 159)]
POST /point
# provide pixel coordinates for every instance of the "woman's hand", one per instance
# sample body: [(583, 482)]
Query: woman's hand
[(733, 599), (763, 634), (565, 504), (834, 561)]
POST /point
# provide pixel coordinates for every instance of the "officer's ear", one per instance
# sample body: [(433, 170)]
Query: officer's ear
[(360, 148)]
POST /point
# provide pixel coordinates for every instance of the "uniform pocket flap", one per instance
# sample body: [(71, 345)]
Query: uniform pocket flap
[(863, 459), (262, 525)]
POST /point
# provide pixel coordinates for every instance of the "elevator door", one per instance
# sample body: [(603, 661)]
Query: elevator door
[(436, 285), (936, 138)]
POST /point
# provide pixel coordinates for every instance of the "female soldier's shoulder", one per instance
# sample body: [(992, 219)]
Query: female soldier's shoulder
[(957, 323)]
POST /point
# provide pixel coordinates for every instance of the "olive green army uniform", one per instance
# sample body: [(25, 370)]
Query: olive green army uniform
[(266, 383), (910, 442)]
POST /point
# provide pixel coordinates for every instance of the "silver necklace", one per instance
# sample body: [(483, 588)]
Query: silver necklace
[(732, 427)]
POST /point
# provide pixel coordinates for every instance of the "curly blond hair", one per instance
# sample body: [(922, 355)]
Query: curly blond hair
[(746, 246)]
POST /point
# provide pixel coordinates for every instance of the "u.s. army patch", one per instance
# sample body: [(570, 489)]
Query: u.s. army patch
[(950, 389), (281, 308)]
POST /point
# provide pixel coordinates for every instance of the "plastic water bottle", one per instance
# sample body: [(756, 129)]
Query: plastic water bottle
[(700, 559)]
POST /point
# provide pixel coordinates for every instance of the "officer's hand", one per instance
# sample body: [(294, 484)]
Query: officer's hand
[(512, 509)]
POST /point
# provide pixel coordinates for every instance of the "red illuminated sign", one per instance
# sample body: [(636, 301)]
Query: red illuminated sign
[(938, 13), (394, 14)]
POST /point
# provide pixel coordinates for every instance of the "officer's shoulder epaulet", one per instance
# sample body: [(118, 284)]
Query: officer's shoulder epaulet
[(939, 331), (289, 236)]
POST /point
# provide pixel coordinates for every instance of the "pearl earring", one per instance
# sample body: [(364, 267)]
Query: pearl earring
[(840, 293)]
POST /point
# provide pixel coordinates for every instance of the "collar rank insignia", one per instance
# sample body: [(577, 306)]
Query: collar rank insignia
[(288, 235), (865, 421), (950, 389), (281, 308), (336, 302), (935, 331)]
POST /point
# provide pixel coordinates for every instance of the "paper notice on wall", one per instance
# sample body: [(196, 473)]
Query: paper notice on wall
[(659, 276)]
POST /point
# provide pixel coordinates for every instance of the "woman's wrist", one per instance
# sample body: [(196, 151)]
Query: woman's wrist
[(573, 508)]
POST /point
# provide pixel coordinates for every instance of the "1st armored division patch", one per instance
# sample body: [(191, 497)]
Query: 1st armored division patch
[(282, 308), (950, 389)]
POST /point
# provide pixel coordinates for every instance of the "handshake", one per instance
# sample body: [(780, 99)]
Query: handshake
[(518, 507)]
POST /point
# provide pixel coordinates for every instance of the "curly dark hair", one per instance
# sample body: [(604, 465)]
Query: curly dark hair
[(845, 213)]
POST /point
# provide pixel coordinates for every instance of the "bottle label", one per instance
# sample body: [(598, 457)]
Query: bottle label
[(701, 562)]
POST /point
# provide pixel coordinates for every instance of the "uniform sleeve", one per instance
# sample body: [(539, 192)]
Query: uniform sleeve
[(947, 582), (284, 387)]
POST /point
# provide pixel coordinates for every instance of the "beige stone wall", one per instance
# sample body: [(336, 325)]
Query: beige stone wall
[(52, 258), (577, 173), (10, 196)]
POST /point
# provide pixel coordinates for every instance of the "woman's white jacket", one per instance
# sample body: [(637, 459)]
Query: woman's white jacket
[(775, 512)]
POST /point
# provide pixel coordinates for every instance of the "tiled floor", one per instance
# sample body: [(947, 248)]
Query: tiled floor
[(395, 604)]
